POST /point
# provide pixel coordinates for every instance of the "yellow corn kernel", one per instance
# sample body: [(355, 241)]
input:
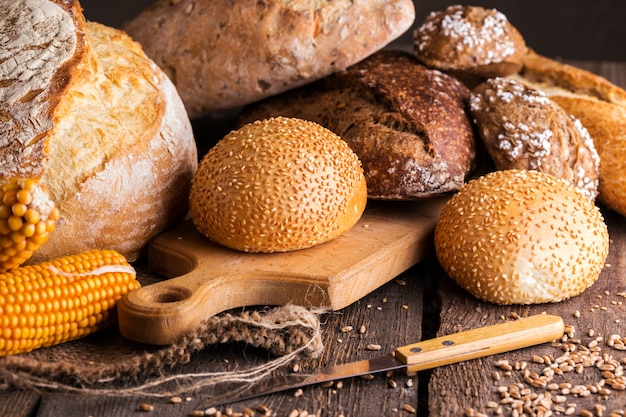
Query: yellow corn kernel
[(27, 217), (61, 300)]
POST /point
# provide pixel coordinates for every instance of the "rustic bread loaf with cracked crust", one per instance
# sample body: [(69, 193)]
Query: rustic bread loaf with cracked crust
[(522, 128), (601, 108), (473, 43), (222, 54), (87, 113), (408, 124)]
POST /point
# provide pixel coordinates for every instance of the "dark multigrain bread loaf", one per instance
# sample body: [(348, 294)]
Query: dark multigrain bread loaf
[(407, 123), (523, 129)]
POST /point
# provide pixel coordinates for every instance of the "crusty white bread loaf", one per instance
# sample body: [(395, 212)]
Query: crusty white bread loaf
[(601, 108), (86, 111), (223, 54)]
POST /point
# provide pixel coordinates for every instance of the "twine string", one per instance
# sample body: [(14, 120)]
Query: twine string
[(288, 332)]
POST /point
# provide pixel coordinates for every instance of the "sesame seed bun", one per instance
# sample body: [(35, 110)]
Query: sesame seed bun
[(277, 185), (521, 237)]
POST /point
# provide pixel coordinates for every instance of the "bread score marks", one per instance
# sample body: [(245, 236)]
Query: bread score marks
[(523, 129), (407, 123), (38, 38), (112, 107), (124, 146)]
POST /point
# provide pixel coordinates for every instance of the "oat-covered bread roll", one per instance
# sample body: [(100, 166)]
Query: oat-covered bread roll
[(599, 105), (523, 129), (473, 43), (407, 123), (221, 54), (85, 111)]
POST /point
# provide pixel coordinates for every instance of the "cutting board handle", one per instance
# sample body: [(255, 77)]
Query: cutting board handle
[(162, 312)]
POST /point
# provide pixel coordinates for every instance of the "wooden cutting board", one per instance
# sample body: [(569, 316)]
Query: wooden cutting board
[(207, 279)]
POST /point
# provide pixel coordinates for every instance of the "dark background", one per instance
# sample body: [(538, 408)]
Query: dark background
[(569, 29)]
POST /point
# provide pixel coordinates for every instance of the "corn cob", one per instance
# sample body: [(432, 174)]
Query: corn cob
[(27, 217), (61, 300)]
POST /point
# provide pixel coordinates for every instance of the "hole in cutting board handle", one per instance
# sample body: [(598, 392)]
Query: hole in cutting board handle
[(164, 294)]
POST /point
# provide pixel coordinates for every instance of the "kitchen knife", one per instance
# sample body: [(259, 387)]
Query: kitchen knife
[(440, 351)]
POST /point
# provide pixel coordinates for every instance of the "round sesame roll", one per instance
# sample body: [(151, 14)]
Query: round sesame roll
[(521, 237), (278, 185)]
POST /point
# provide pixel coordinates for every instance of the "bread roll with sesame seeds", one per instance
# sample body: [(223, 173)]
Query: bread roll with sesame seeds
[(521, 237), (277, 185), (522, 128)]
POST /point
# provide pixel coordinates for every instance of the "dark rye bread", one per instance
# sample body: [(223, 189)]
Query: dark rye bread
[(407, 123)]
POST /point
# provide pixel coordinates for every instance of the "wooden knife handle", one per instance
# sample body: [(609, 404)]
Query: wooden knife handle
[(483, 341)]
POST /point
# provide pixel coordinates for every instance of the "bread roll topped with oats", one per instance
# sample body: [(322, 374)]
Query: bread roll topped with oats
[(89, 115), (470, 42), (600, 106), (523, 129)]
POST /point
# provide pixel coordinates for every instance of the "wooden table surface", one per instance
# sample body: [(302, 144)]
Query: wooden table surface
[(422, 303)]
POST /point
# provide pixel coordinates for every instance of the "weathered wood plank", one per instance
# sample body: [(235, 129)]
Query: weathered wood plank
[(18, 403), (390, 317)]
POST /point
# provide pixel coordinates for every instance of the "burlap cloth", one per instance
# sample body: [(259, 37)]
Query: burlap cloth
[(108, 364)]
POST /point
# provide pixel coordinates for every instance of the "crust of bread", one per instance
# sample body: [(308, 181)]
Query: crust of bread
[(115, 148), (557, 78), (408, 124), (221, 54), (33, 80), (607, 123), (130, 180)]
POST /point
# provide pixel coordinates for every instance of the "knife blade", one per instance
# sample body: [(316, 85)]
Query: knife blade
[(427, 354)]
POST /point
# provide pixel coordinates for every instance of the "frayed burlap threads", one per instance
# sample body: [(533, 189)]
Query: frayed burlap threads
[(93, 366)]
